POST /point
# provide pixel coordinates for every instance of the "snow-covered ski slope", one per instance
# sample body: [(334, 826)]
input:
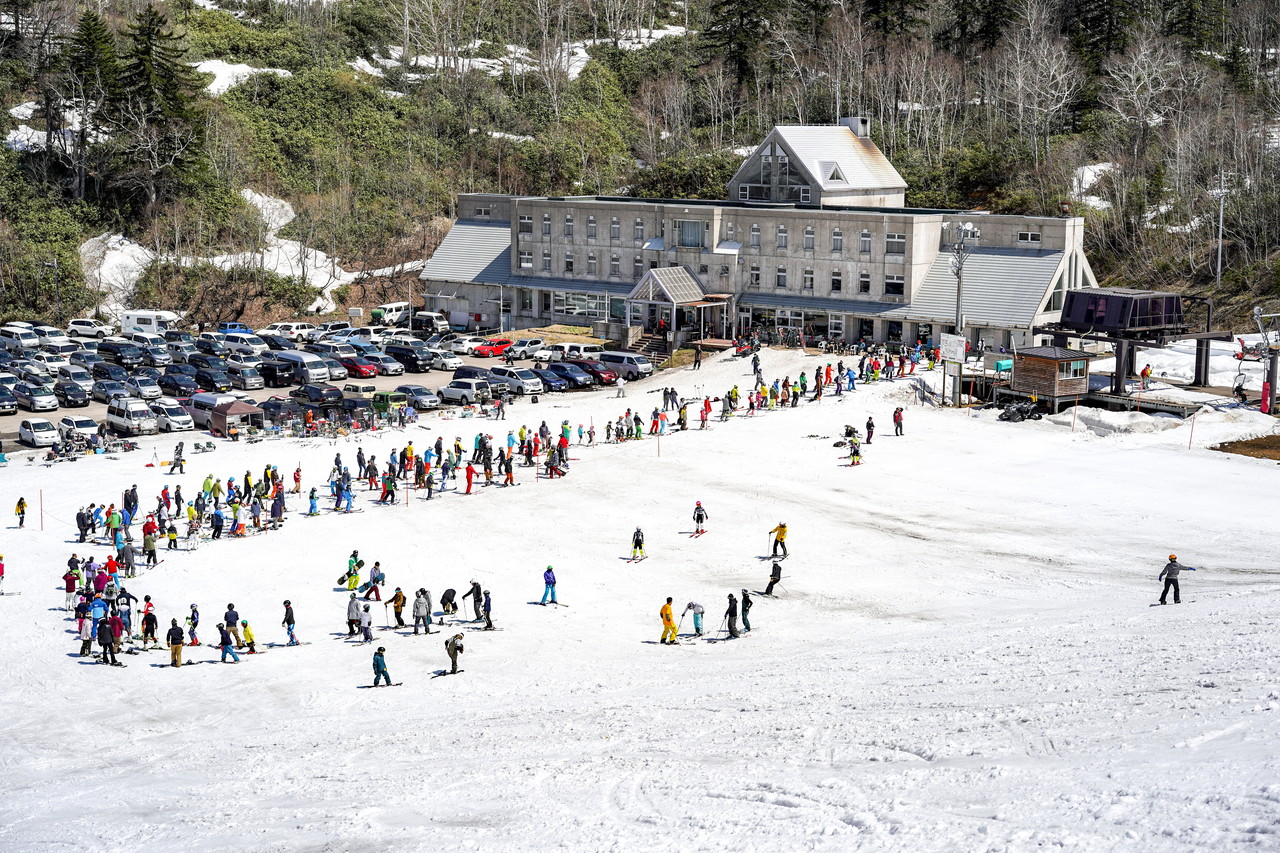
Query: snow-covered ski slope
[(965, 656)]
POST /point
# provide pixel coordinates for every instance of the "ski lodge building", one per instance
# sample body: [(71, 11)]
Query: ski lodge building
[(813, 235)]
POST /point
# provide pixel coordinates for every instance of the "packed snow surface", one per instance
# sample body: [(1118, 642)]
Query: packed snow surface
[(229, 74), (964, 655)]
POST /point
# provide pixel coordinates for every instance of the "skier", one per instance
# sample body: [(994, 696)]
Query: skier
[(193, 622), (149, 624), (380, 667), (897, 421), (668, 625), (1169, 574), (288, 622), (780, 539), (732, 615), (397, 605), (698, 610), (107, 640), (174, 638), (486, 609), (233, 624), (477, 598), (453, 646), (353, 615), (422, 611), (775, 576), (637, 544), (248, 636), (699, 518), (224, 641), (746, 607), (549, 579)]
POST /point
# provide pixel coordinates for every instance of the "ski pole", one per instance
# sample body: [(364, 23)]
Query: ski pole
[(723, 622), (680, 624), (385, 617)]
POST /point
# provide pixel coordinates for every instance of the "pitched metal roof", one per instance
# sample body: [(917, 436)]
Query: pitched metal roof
[(838, 159), (1003, 288), (669, 284), (1055, 353), (471, 251)]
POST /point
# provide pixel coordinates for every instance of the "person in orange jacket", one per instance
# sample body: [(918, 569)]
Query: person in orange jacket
[(668, 625)]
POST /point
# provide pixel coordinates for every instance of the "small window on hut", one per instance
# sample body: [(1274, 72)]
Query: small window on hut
[(1072, 369)]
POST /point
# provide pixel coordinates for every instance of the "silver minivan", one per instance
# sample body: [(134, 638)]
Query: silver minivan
[(307, 366), (201, 406), (130, 416), (244, 342), (521, 380), (628, 365), (18, 339)]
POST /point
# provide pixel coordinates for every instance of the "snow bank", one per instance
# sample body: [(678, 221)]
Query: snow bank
[(1102, 422), (1177, 362), (1084, 182), (227, 75), (24, 112)]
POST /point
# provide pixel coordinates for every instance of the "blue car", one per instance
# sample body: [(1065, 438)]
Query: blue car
[(574, 375), (552, 381)]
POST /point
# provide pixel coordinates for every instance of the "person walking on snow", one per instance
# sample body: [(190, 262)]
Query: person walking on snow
[(486, 610), (871, 429), (699, 518), (21, 512), (732, 615), (746, 607), (380, 667), (637, 544), (668, 625), (779, 538), (698, 611), (288, 622), (549, 580), (1169, 574), (897, 421)]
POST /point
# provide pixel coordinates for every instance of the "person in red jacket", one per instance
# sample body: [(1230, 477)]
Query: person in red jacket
[(471, 473), (897, 421)]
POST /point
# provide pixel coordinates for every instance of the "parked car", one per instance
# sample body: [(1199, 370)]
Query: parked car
[(181, 370), (355, 406), (443, 359), (30, 371), (8, 380), (105, 390), (492, 347), (525, 347), (87, 327), (106, 370), (180, 351), (359, 389), (208, 346), (86, 359), (80, 425), (552, 381), (121, 352), (142, 387), (322, 331), (358, 367), (466, 392), (243, 359), (467, 345), (177, 385), (571, 351), (50, 335), (415, 359), (280, 409), (387, 366), (142, 340), (599, 372), (77, 374), (204, 361), (63, 349), (420, 396), (331, 349), (317, 394), (337, 372), (150, 372), (362, 334), (245, 378), (37, 432), (276, 343), (51, 361), (228, 328), (35, 397), (276, 374), (571, 373), (629, 365), (246, 342), (291, 331), (172, 336), (156, 356), (171, 417), (70, 394), (521, 380), (210, 379), (8, 403)]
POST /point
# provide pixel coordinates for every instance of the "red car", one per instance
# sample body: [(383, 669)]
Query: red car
[(497, 346), (359, 366), (597, 369)]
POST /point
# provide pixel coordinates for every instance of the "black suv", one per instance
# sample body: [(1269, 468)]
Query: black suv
[(203, 361), (107, 370), (319, 394), (122, 353), (212, 380), (276, 374), (414, 359)]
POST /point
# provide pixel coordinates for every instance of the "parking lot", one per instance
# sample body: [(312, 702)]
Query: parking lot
[(433, 379)]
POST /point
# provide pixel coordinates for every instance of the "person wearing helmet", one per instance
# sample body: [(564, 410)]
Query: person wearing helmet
[(476, 594), (1170, 577), (637, 544), (549, 580), (353, 615), (488, 606), (698, 611), (366, 624), (397, 603), (780, 538), (224, 643), (175, 637), (248, 636), (380, 667), (193, 622), (699, 518), (232, 619), (288, 622), (732, 615)]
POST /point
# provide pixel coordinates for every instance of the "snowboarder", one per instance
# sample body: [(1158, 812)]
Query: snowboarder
[(732, 615), (699, 518), (453, 646), (422, 611), (224, 642), (746, 607), (288, 622), (779, 538), (698, 611), (637, 544), (549, 580), (380, 667), (1169, 574), (668, 625), (775, 576)]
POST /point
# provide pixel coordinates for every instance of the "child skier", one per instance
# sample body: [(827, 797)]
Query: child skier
[(637, 544), (699, 518)]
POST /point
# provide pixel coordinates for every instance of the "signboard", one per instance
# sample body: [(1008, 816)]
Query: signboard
[(953, 348), (952, 368)]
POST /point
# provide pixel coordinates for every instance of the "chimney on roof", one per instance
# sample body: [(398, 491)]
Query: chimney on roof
[(860, 125)]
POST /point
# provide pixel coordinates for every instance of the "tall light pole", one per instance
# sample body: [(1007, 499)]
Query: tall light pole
[(963, 237)]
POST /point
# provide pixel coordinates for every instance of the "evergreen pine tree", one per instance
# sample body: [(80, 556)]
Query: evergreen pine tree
[(739, 31), (896, 19), (155, 75)]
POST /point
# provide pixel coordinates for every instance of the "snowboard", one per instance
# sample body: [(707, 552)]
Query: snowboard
[(447, 672), (371, 686)]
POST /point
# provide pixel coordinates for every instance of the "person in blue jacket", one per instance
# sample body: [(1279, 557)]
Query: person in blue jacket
[(485, 608), (549, 578), (224, 640), (380, 667), (314, 509)]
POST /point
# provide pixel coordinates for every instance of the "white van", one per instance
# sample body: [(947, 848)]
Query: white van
[(429, 321), (14, 338), (144, 339), (307, 366), (628, 365), (563, 352), (243, 342), (130, 416), (201, 406), (156, 322), (395, 313)]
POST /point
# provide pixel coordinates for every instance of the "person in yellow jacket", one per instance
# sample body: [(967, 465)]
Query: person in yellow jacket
[(668, 625), (248, 636), (780, 538)]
